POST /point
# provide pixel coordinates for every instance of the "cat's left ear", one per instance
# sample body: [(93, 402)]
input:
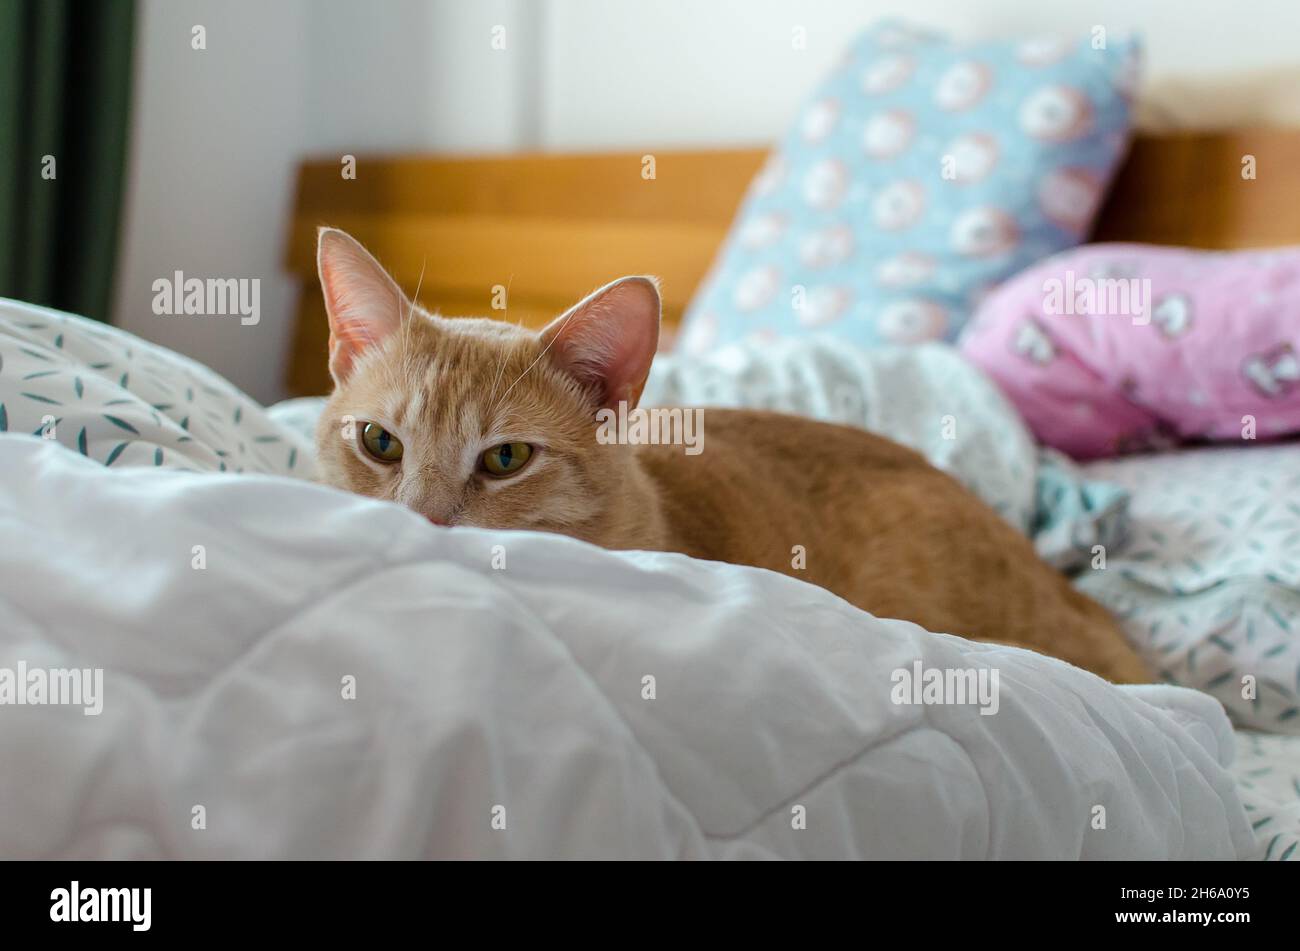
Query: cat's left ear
[(364, 304), (608, 340)]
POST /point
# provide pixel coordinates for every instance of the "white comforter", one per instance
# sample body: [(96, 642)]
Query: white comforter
[(506, 710)]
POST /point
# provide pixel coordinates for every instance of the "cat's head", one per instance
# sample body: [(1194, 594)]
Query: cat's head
[(476, 421)]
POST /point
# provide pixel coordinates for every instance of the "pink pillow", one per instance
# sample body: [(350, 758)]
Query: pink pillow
[(1114, 348)]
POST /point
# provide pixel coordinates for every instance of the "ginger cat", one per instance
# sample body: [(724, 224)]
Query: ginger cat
[(477, 422)]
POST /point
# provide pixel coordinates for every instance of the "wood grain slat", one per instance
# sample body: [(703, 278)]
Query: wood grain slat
[(688, 186), (551, 228), (1187, 189), (560, 258), (308, 370)]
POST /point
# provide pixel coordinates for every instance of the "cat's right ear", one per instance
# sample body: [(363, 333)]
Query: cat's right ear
[(363, 303)]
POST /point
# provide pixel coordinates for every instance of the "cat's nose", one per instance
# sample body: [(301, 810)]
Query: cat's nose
[(436, 521)]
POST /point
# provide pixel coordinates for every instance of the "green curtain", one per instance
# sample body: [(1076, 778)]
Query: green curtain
[(65, 87)]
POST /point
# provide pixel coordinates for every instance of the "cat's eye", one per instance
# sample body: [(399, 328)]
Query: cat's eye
[(381, 444), (506, 459)]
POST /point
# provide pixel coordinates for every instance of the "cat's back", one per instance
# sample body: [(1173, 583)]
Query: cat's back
[(841, 507), (764, 482), (874, 522), (790, 449)]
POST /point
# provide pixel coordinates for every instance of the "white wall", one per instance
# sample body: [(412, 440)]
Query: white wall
[(630, 73), (218, 133), (212, 156)]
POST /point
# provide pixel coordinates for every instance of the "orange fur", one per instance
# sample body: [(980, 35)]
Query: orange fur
[(879, 526)]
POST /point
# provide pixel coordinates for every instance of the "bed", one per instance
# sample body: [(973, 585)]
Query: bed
[(342, 679), (289, 671), (572, 221)]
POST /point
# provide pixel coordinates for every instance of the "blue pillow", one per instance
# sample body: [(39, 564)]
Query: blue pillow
[(920, 174)]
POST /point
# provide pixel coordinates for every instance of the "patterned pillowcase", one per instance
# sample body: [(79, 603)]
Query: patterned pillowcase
[(1267, 770), (1207, 584), (921, 174), (123, 402), (1115, 348)]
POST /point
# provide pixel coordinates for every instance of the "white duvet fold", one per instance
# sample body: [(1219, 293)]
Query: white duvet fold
[(290, 671)]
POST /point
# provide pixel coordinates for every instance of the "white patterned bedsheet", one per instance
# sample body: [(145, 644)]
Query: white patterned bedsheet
[(1267, 770), (1208, 583)]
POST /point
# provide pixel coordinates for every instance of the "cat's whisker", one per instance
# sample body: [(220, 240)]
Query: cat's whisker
[(410, 316), (501, 364)]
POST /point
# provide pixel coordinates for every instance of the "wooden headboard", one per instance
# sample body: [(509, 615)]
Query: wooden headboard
[(550, 228)]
